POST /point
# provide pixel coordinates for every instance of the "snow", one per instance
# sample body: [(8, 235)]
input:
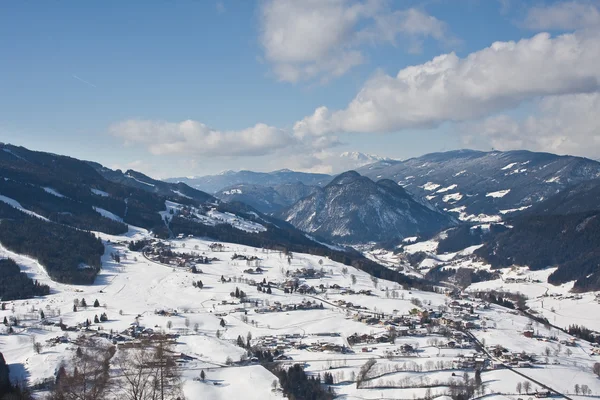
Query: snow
[(99, 192), (427, 246), (138, 286), (429, 186), (329, 246), (177, 192), (509, 166), (452, 197), (255, 385), (511, 210), (464, 216), (108, 214), (447, 189), (235, 221), (18, 206), (516, 171), (232, 191), (556, 303), (137, 180), (213, 217), (158, 287), (498, 194), (52, 192)]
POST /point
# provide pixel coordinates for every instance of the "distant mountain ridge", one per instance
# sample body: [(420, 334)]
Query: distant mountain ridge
[(267, 199), (214, 183), (481, 186), (354, 209)]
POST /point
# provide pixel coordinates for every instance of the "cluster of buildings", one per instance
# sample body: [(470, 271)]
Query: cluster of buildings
[(161, 252), (276, 306), (282, 343)]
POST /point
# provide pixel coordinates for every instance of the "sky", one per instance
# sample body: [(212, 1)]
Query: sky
[(181, 88)]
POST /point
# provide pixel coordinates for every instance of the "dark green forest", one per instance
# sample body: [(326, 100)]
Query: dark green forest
[(69, 255), (16, 285)]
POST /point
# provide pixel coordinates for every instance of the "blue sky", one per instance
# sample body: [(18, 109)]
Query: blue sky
[(178, 88)]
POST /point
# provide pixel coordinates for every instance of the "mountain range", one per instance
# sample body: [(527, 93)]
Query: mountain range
[(50, 205), (214, 183), (473, 185), (480, 186)]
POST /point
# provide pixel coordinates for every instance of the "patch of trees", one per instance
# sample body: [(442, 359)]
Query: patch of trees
[(462, 276), (297, 385), (142, 211), (138, 245), (584, 333), (569, 242), (238, 294), (414, 259), (504, 299), (16, 285), (69, 255)]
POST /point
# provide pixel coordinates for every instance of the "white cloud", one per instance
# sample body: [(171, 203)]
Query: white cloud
[(569, 15), (412, 24), (193, 137), (322, 39), (560, 124), (449, 88)]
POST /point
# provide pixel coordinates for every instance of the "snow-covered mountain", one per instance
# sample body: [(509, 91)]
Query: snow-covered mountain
[(351, 160), (49, 204), (354, 209), (214, 183), (485, 186)]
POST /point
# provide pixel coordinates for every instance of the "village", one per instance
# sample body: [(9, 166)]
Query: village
[(266, 306)]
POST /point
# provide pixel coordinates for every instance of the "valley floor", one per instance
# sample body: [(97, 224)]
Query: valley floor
[(421, 363)]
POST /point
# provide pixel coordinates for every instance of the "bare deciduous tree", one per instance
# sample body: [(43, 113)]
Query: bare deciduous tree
[(148, 371), (89, 378)]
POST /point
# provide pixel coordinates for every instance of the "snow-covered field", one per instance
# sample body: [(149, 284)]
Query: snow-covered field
[(137, 287)]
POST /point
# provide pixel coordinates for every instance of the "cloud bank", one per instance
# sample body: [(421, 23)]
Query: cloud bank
[(193, 137), (453, 89), (324, 39)]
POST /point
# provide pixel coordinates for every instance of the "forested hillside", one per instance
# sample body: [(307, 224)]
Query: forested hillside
[(69, 255), (569, 242)]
